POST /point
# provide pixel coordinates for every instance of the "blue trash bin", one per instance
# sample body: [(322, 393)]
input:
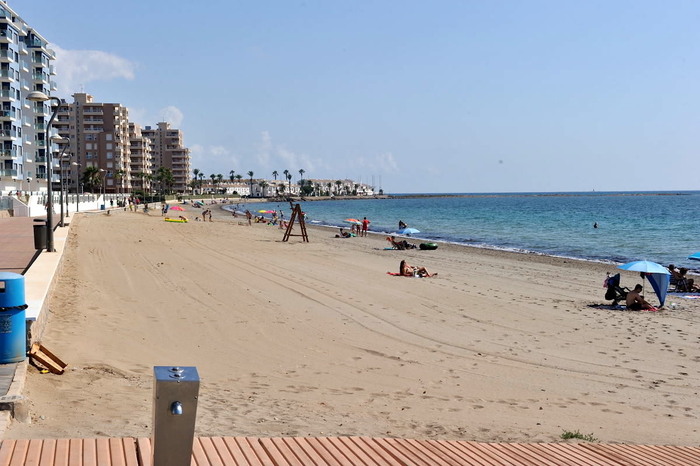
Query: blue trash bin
[(13, 322)]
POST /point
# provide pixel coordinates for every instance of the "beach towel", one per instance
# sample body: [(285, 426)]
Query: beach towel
[(396, 274)]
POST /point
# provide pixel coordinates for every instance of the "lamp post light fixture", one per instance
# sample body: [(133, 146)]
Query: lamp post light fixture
[(37, 96), (77, 190)]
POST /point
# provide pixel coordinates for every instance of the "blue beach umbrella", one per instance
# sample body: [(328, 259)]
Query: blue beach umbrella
[(695, 257), (407, 231), (657, 274)]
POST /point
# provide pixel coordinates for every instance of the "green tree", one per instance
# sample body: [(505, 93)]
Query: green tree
[(213, 177), (250, 174), (289, 182), (219, 179), (232, 175), (239, 178), (91, 178), (338, 184), (263, 184), (301, 175), (166, 179), (120, 176), (275, 174)]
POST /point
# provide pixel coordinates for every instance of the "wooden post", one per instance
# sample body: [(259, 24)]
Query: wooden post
[(296, 216)]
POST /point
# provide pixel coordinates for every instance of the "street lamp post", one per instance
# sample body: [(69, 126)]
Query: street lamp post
[(59, 139), (77, 188), (104, 176), (37, 96)]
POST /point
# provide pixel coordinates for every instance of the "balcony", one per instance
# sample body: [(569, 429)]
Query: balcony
[(40, 109), (4, 114), (40, 77), (8, 172), (97, 129), (8, 153), (8, 74), (94, 119), (7, 55), (35, 43), (40, 61), (8, 133), (6, 36), (54, 86), (52, 70), (24, 65), (25, 85), (93, 110), (7, 94), (23, 49), (40, 159), (40, 126)]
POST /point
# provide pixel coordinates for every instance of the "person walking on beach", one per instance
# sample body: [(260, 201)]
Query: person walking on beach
[(365, 226), (249, 216)]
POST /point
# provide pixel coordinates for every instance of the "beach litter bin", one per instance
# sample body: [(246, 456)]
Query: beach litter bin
[(39, 233), (13, 323)]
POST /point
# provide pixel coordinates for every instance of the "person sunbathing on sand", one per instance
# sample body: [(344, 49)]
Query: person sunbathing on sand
[(410, 270)]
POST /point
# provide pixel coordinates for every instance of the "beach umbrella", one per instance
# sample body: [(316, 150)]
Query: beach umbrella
[(658, 275), (407, 231), (695, 257), (266, 211), (353, 220), (177, 207)]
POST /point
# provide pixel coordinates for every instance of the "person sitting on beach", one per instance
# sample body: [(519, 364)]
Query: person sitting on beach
[(402, 244), (343, 234), (410, 270), (183, 218), (634, 300), (689, 282)]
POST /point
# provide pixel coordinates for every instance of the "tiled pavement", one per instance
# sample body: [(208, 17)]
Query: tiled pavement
[(16, 243)]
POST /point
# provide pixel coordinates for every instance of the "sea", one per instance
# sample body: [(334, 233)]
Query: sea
[(662, 227)]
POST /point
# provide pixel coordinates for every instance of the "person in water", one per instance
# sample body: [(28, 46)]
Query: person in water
[(402, 225), (595, 225)]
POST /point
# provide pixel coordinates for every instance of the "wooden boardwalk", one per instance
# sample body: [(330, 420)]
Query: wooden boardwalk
[(342, 451)]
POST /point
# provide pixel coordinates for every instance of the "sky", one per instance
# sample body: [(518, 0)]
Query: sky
[(408, 96)]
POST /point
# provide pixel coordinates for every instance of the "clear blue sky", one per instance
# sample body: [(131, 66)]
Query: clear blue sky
[(451, 96)]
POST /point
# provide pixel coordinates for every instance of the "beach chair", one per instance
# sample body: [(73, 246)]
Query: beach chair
[(615, 292)]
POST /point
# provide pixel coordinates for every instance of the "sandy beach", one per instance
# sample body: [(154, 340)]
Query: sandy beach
[(317, 339)]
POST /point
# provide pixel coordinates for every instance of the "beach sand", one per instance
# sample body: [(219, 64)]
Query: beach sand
[(297, 339)]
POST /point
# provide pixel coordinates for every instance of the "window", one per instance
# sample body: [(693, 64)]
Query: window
[(109, 138), (109, 144), (110, 155), (88, 145), (110, 165)]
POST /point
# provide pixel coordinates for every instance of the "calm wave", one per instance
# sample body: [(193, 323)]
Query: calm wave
[(632, 226)]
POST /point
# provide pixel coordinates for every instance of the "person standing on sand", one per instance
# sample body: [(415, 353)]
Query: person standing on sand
[(249, 216), (365, 226)]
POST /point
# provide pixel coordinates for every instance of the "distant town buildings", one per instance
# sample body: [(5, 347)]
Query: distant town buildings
[(275, 188)]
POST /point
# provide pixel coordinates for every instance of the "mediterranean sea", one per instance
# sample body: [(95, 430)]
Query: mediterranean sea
[(658, 226)]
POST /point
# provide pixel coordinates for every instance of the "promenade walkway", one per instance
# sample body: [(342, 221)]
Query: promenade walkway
[(16, 244), (343, 451)]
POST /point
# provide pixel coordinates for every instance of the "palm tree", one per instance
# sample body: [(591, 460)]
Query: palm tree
[(338, 183), (286, 174), (232, 175), (301, 175), (92, 178), (263, 185), (289, 182), (213, 177), (196, 173), (250, 174), (119, 174), (166, 179), (201, 180), (219, 179), (329, 187), (239, 178), (357, 186), (275, 174)]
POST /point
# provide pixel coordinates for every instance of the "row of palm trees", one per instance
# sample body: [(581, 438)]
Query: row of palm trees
[(199, 176), (93, 179)]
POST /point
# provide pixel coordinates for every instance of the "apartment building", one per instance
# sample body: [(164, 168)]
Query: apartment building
[(168, 151), (99, 137), (141, 159), (25, 66)]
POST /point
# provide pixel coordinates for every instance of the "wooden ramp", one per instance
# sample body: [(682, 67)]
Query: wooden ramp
[(342, 451)]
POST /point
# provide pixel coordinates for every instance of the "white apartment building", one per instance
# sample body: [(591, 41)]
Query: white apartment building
[(25, 66)]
